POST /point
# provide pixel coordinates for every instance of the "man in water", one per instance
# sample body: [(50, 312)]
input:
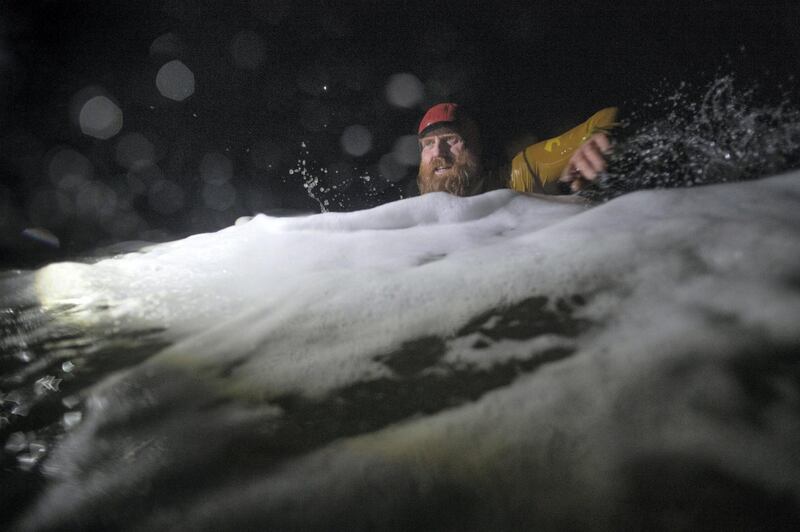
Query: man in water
[(451, 156)]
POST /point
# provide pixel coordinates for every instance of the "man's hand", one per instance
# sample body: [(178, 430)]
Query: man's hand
[(586, 162)]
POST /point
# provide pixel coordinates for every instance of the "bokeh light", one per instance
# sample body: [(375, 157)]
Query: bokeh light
[(248, 50), (168, 44), (100, 118), (175, 81), (165, 197), (139, 180), (219, 197), (356, 140), (67, 168), (406, 150), (134, 151), (215, 168), (404, 90), (96, 201), (391, 169)]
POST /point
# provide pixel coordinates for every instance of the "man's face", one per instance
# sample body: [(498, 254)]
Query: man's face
[(447, 164)]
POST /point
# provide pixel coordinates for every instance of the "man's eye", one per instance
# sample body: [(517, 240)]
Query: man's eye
[(452, 141)]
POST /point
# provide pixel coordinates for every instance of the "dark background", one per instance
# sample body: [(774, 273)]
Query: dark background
[(527, 70)]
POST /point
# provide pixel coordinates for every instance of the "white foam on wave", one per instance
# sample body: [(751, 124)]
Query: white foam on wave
[(330, 291), (680, 287)]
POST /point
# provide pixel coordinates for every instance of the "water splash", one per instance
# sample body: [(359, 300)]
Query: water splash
[(726, 135), (333, 190)]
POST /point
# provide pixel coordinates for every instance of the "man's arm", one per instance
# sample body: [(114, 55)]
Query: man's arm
[(540, 166)]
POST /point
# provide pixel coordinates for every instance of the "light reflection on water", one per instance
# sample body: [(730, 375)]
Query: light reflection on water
[(49, 358)]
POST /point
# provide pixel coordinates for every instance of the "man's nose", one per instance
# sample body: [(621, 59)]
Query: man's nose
[(441, 148)]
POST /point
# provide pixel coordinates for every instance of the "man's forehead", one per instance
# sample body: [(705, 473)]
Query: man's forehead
[(444, 129)]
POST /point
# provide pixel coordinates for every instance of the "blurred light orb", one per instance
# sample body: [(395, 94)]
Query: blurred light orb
[(96, 201), (248, 50), (167, 44), (100, 118), (134, 151), (175, 81), (356, 140), (69, 169), (139, 180), (215, 168), (391, 169), (404, 90), (165, 197), (219, 197), (406, 150)]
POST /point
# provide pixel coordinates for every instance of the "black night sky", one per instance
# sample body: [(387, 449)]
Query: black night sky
[(277, 82)]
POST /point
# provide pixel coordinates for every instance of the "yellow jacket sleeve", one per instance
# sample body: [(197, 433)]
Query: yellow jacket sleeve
[(541, 164)]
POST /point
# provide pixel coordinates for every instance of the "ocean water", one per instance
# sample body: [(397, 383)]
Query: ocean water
[(495, 362)]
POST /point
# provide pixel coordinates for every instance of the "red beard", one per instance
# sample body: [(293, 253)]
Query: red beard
[(462, 178)]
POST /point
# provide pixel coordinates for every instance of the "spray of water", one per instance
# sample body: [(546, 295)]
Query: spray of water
[(727, 135), (334, 191)]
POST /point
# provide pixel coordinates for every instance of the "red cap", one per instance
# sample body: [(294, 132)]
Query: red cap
[(441, 112)]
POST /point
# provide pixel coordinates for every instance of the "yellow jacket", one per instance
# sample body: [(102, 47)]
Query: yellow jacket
[(538, 167)]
